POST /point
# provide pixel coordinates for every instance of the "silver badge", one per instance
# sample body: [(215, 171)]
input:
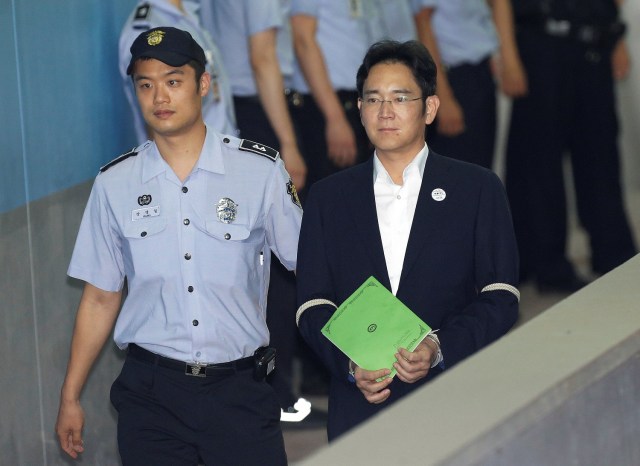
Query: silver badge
[(227, 210)]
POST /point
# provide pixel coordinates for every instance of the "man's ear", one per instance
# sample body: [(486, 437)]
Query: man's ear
[(205, 83), (433, 103)]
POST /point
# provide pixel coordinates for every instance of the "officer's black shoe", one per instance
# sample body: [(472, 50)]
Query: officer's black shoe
[(569, 284)]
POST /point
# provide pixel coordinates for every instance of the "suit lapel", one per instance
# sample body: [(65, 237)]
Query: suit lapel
[(424, 220), (360, 201)]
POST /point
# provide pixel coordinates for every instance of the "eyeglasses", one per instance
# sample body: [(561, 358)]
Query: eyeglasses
[(396, 102)]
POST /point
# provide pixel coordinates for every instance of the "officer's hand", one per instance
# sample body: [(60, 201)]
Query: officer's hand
[(511, 76), (69, 427), (373, 391), (450, 118), (620, 60), (294, 163), (413, 366), (341, 142)]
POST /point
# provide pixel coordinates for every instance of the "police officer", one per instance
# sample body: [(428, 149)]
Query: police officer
[(473, 44), (252, 38), (217, 107), (567, 48), (189, 220), (330, 38)]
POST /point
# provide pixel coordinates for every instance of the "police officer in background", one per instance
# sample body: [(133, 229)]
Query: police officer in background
[(255, 48), (217, 105), (572, 51), (189, 220)]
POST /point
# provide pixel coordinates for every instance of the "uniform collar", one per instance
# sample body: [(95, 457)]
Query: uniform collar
[(210, 157)]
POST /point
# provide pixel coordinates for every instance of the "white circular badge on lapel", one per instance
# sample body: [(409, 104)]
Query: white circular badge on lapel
[(438, 194)]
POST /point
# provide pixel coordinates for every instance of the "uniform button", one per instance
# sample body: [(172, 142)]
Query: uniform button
[(227, 236), (398, 197), (190, 289), (187, 256), (226, 140), (198, 354), (186, 221), (195, 323), (185, 189), (143, 234)]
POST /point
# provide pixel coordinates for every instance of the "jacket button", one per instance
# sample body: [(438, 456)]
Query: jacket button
[(143, 234), (186, 221), (227, 236), (190, 289), (187, 256), (195, 323), (185, 189)]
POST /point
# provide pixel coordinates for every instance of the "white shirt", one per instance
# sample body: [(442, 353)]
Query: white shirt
[(395, 206)]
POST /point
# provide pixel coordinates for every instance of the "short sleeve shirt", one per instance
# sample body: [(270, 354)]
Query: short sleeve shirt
[(195, 254)]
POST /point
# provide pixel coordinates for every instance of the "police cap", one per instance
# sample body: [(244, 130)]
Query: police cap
[(171, 46)]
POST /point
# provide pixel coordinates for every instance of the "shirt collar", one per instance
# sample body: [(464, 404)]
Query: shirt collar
[(210, 158), (419, 162)]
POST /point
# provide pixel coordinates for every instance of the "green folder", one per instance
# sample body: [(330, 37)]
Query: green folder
[(371, 324)]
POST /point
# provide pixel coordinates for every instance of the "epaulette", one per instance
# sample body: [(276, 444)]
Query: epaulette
[(142, 13), (118, 159), (257, 148)]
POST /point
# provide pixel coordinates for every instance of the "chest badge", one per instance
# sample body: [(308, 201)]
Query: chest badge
[(145, 199), (227, 210), (438, 194)]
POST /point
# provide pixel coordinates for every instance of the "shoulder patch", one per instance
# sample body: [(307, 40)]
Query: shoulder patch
[(118, 159), (142, 11), (257, 148)]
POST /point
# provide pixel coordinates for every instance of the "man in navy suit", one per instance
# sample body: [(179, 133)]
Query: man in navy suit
[(435, 231)]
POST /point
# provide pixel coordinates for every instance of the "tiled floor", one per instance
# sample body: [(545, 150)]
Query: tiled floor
[(302, 443)]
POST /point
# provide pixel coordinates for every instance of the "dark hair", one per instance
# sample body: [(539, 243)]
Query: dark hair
[(411, 53), (195, 64)]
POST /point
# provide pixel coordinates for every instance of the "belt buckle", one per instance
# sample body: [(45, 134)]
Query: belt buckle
[(195, 370)]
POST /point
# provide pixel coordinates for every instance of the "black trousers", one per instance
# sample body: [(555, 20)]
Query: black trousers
[(475, 91), (167, 418), (570, 109), (281, 301), (310, 126)]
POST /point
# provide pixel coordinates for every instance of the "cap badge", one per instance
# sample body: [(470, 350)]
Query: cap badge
[(227, 210), (155, 37)]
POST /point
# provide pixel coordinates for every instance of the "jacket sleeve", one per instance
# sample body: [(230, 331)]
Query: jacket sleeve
[(495, 308), (315, 291)]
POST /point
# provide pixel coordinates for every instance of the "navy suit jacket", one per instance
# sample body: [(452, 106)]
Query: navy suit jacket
[(457, 246)]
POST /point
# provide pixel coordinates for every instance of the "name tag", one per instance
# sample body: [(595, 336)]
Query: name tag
[(145, 212)]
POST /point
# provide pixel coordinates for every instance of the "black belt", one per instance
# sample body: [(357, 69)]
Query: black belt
[(587, 34), (192, 369)]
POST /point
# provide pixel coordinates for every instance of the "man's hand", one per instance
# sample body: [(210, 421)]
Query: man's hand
[(69, 427), (450, 118), (620, 61), (341, 142), (413, 366), (373, 391), (294, 163)]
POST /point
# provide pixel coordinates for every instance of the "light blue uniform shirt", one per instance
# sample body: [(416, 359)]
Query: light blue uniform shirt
[(343, 34), (232, 23), (464, 30), (197, 287), (396, 20), (217, 105)]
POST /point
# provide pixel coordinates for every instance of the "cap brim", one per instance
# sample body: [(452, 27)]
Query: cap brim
[(165, 56)]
